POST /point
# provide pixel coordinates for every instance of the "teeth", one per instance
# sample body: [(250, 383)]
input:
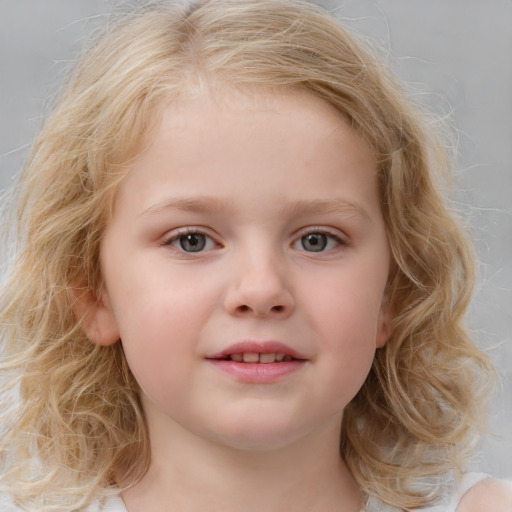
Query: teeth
[(267, 358), (253, 357)]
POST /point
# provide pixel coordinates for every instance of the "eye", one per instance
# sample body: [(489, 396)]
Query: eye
[(191, 241), (317, 241)]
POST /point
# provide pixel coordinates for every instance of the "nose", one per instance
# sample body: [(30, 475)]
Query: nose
[(259, 288)]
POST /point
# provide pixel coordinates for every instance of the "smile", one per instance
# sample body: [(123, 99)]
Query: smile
[(255, 357), (258, 362)]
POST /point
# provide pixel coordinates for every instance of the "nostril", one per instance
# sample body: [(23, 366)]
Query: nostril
[(243, 308)]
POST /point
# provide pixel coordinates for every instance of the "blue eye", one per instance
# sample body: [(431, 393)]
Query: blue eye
[(191, 242)]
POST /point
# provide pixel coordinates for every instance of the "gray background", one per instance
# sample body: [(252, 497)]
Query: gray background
[(455, 55)]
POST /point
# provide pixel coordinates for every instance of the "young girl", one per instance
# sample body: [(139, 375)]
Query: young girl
[(236, 285)]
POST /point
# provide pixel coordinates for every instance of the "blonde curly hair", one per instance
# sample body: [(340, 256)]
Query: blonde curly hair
[(75, 418)]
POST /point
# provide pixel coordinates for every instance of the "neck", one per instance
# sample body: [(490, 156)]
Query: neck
[(188, 472)]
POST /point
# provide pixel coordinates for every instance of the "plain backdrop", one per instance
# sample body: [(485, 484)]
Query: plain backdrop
[(456, 57)]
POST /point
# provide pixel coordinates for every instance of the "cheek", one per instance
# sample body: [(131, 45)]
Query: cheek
[(160, 324), (161, 306), (346, 319), (157, 331), (348, 352), (349, 307), (158, 351)]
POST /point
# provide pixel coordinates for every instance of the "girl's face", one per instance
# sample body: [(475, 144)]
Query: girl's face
[(245, 268)]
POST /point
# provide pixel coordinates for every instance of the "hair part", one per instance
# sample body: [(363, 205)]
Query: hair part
[(79, 426)]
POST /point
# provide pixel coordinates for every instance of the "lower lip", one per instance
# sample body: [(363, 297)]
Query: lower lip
[(258, 372)]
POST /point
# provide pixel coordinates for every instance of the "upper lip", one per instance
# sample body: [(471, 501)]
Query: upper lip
[(258, 347)]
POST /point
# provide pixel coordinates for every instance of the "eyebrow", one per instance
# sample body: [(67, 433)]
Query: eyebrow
[(199, 204), (325, 206), (212, 205)]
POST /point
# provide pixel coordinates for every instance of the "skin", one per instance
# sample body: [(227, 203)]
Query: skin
[(488, 495), (256, 173)]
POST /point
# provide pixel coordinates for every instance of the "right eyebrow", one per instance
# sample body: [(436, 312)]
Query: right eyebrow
[(199, 204)]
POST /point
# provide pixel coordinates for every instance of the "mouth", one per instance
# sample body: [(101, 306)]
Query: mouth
[(255, 357), (258, 362), (255, 352)]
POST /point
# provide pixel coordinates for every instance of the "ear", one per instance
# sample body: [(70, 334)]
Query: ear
[(384, 323), (98, 319)]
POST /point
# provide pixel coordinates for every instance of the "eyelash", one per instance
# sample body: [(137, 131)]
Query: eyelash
[(325, 239), (184, 232), (317, 230)]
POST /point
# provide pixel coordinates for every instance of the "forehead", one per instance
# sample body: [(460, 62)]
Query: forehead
[(199, 112), (265, 137)]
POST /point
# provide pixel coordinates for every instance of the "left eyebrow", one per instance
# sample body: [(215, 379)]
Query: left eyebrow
[(324, 207)]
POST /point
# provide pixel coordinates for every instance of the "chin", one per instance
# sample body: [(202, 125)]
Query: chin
[(259, 443), (257, 435)]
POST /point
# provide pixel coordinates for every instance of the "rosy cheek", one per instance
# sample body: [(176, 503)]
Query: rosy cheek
[(352, 322), (151, 363)]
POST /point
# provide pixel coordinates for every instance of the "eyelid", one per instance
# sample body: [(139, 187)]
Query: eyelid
[(329, 231)]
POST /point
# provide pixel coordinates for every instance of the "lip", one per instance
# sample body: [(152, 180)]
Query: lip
[(258, 373), (266, 347)]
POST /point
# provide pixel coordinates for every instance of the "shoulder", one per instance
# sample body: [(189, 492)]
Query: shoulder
[(488, 495), (110, 504)]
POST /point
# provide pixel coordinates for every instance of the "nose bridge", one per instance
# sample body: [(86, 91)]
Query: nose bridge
[(260, 283)]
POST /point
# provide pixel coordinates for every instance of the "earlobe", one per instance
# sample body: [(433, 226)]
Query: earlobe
[(98, 319)]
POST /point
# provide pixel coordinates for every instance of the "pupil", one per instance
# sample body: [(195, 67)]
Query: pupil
[(314, 242), (193, 242)]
